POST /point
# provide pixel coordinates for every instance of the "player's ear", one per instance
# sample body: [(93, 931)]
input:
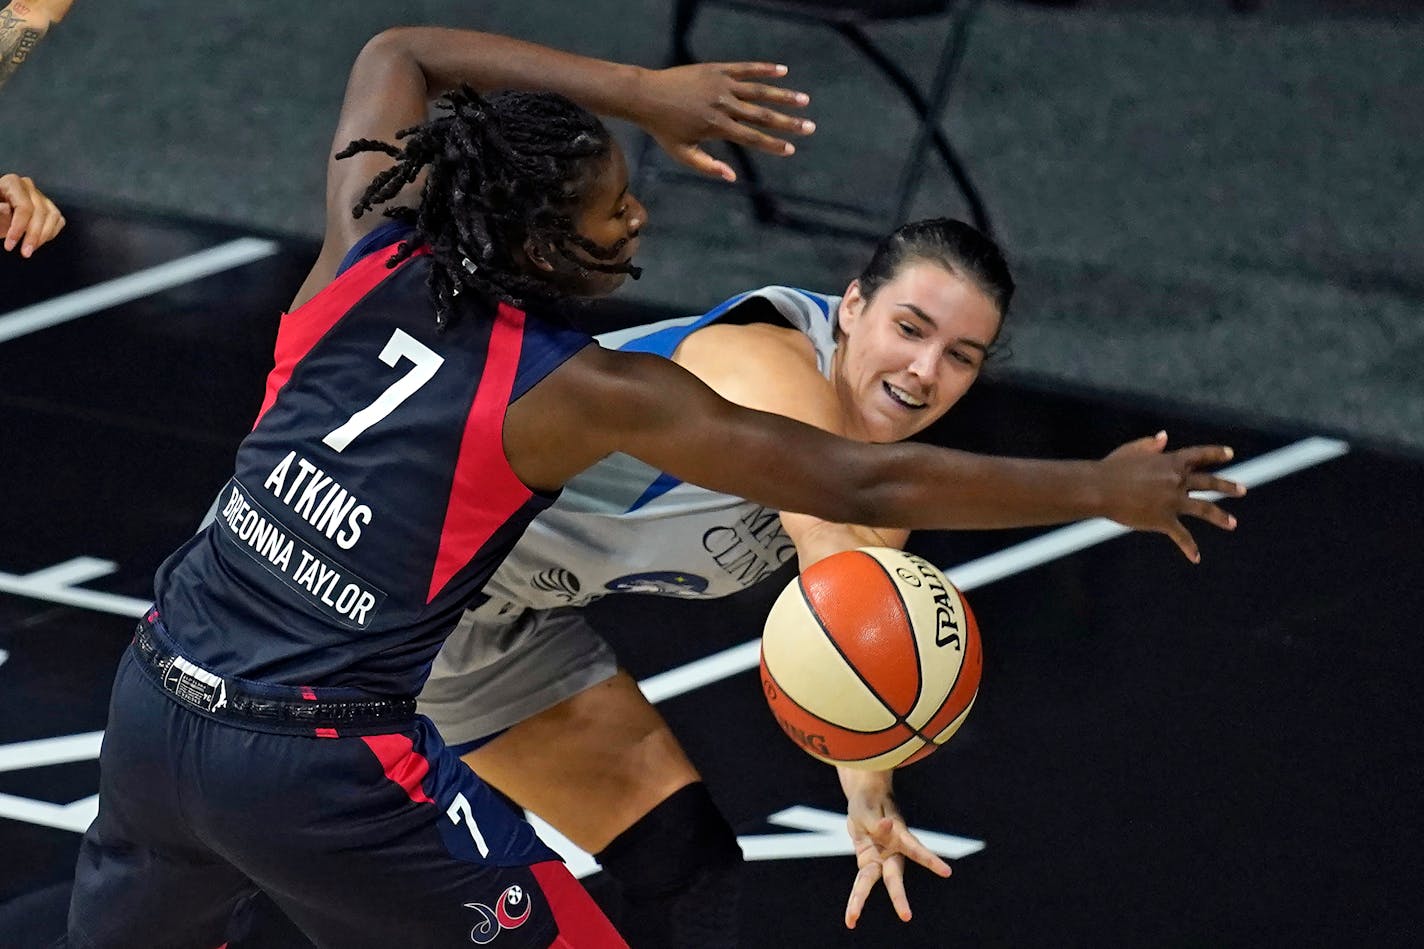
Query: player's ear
[(852, 305), (539, 256)]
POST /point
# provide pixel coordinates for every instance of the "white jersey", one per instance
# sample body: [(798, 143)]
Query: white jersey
[(625, 527)]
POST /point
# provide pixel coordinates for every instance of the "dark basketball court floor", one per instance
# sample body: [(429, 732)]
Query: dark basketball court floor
[(1161, 754)]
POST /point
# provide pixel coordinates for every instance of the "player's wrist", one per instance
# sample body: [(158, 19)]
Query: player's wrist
[(634, 98), (39, 14)]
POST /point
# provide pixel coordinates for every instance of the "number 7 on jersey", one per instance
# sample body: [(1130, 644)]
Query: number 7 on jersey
[(401, 344)]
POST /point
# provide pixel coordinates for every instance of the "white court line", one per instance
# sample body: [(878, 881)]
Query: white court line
[(830, 828), (1016, 559), (48, 751), (111, 293), (54, 584)]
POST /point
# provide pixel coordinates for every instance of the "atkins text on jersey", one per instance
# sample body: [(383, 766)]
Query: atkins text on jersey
[(319, 500)]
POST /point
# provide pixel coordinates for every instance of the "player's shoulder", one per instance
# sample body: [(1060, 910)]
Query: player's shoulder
[(761, 366), (746, 347)]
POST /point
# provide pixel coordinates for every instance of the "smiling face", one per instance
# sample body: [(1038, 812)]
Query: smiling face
[(911, 351)]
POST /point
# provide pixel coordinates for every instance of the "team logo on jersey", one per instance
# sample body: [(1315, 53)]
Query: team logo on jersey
[(661, 582), (557, 580), (510, 911)]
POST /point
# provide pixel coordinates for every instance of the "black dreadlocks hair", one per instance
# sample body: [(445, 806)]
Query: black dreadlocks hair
[(500, 170)]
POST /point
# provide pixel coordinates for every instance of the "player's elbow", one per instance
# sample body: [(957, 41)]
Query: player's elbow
[(393, 47)]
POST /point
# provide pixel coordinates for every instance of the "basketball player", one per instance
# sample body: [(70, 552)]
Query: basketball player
[(573, 738), (427, 401), (586, 751)]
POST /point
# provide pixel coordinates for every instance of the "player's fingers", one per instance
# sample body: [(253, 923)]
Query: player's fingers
[(753, 70), (1183, 539), (865, 881), (893, 873), (1205, 481), (1210, 513), (909, 845), (1149, 444), (1206, 456), (38, 230), (779, 95), (58, 225), (54, 223), (20, 214), (735, 131), (697, 158), (769, 118)]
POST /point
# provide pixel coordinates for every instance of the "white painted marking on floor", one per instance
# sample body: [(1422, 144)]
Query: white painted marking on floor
[(55, 585), (825, 836), (41, 752), (579, 862), (111, 293), (1016, 559), (75, 817), (702, 672), (1075, 537), (822, 834)]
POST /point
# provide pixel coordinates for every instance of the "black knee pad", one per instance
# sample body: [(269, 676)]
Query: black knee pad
[(680, 872), (668, 848)]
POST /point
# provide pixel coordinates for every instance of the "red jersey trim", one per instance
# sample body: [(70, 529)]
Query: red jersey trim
[(581, 923), (303, 327), (485, 491), (402, 763)]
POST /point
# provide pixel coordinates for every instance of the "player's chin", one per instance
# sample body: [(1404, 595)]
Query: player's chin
[(896, 424)]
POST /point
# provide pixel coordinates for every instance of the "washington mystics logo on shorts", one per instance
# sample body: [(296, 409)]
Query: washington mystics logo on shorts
[(510, 911), (663, 582)]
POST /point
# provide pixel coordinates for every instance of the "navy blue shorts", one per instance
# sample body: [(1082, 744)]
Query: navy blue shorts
[(372, 839)]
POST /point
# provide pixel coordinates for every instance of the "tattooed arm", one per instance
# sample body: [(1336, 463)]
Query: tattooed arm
[(22, 24)]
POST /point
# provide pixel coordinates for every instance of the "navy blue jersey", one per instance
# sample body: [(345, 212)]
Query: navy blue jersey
[(372, 499)]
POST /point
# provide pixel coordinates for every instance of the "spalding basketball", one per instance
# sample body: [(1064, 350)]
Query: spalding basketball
[(870, 659)]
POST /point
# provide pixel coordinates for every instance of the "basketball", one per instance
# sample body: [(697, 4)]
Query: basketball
[(870, 659)]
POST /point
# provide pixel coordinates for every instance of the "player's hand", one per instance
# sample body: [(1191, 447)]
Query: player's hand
[(684, 106), (882, 842), (1150, 489), (28, 219)]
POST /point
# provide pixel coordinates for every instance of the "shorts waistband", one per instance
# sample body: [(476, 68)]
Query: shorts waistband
[(287, 708)]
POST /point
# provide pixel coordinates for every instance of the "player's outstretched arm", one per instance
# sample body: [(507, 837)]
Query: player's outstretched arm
[(601, 401)]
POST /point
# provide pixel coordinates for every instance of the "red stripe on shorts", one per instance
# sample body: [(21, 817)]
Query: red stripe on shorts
[(582, 924), (401, 763)]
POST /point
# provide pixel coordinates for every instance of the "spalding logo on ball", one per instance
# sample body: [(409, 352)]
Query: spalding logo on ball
[(870, 659)]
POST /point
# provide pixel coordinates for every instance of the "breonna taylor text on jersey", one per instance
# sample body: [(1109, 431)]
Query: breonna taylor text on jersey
[(372, 499)]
